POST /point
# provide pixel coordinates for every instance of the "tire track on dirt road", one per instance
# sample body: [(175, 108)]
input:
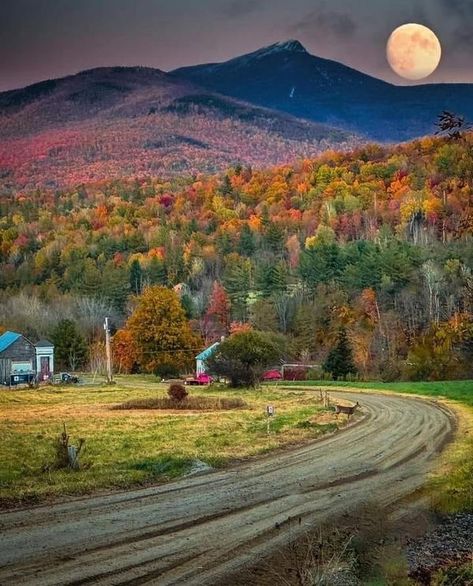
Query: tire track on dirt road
[(200, 529)]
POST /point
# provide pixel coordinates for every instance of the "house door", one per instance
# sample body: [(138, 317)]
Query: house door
[(45, 370)]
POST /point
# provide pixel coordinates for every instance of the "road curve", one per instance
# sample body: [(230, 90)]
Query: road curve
[(200, 529)]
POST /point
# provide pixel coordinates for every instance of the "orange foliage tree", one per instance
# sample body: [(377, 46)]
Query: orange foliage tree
[(161, 333), (125, 354)]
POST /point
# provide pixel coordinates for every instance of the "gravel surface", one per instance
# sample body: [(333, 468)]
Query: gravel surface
[(202, 528), (451, 542)]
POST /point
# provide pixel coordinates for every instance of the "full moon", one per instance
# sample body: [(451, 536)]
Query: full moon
[(413, 51)]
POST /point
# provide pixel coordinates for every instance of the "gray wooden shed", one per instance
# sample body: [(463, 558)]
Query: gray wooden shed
[(21, 361)]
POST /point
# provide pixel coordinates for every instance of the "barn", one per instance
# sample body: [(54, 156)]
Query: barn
[(21, 361)]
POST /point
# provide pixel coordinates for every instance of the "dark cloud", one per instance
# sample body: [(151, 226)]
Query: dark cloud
[(327, 22), (460, 15), (239, 8)]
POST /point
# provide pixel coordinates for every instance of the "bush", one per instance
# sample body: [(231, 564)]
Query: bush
[(390, 372), (194, 403), (166, 370), (177, 392), (243, 357)]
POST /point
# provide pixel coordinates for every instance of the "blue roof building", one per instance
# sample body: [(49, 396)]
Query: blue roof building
[(7, 339), (22, 361), (200, 359)]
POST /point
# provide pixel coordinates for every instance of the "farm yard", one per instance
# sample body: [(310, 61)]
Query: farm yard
[(132, 447)]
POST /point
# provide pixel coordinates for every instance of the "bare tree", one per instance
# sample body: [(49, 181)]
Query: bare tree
[(451, 125)]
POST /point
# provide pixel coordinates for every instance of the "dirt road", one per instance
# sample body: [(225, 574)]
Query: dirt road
[(200, 529)]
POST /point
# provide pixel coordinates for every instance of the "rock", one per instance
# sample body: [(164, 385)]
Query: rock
[(199, 467)]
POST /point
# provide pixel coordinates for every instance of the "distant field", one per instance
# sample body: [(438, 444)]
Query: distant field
[(129, 448), (455, 390)]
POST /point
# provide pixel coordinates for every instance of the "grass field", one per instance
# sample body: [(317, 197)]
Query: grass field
[(130, 448), (451, 485), (454, 390)]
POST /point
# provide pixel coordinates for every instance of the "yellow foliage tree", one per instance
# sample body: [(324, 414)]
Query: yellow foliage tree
[(161, 333)]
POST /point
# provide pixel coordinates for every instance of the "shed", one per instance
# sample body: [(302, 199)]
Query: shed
[(21, 361), (200, 359), (44, 359)]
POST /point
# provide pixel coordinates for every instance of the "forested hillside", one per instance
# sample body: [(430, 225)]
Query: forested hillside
[(119, 122), (378, 242)]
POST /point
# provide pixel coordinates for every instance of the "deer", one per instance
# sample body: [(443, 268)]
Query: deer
[(348, 411)]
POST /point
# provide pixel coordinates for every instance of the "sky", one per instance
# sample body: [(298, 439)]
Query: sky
[(44, 39)]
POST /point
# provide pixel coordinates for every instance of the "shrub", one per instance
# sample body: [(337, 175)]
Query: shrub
[(64, 457), (177, 392), (243, 357), (195, 403), (166, 370)]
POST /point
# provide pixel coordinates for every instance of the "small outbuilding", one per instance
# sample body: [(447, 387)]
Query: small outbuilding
[(21, 361), (200, 367)]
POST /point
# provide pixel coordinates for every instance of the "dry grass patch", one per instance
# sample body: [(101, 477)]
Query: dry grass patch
[(197, 403)]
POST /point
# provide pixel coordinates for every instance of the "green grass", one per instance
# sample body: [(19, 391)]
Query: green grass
[(454, 390), (125, 448)]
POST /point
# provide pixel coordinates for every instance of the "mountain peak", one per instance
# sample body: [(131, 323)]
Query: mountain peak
[(291, 46)]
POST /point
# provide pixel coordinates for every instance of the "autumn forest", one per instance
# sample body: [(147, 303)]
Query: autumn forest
[(376, 242)]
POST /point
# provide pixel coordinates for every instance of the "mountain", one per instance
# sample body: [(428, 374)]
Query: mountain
[(135, 121), (285, 77)]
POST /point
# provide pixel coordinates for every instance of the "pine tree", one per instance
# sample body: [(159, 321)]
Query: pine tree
[(70, 348), (136, 277), (156, 272), (226, 188), (339, 362), (246, 245)]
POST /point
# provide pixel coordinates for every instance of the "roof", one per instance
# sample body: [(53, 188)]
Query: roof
[(44, 344), (207, 352), (7, 339)]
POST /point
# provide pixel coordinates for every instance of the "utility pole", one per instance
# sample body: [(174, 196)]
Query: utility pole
[(108, 350)]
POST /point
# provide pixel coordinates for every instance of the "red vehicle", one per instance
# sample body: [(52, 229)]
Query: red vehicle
[(272, 375), (200, 379)]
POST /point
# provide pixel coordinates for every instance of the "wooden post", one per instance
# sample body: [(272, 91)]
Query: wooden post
[(73, 456), (108, 351)]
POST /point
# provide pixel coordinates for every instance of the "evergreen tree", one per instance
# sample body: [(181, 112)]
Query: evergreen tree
[(136, 277), (188, 306), (70, 348), (115, 285), (156, 272), (226, 188), (274, 239), (246, 245), (339, 362)]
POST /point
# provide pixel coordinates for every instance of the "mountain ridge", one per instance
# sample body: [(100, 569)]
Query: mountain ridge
[(330, 92), (119, 121)]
